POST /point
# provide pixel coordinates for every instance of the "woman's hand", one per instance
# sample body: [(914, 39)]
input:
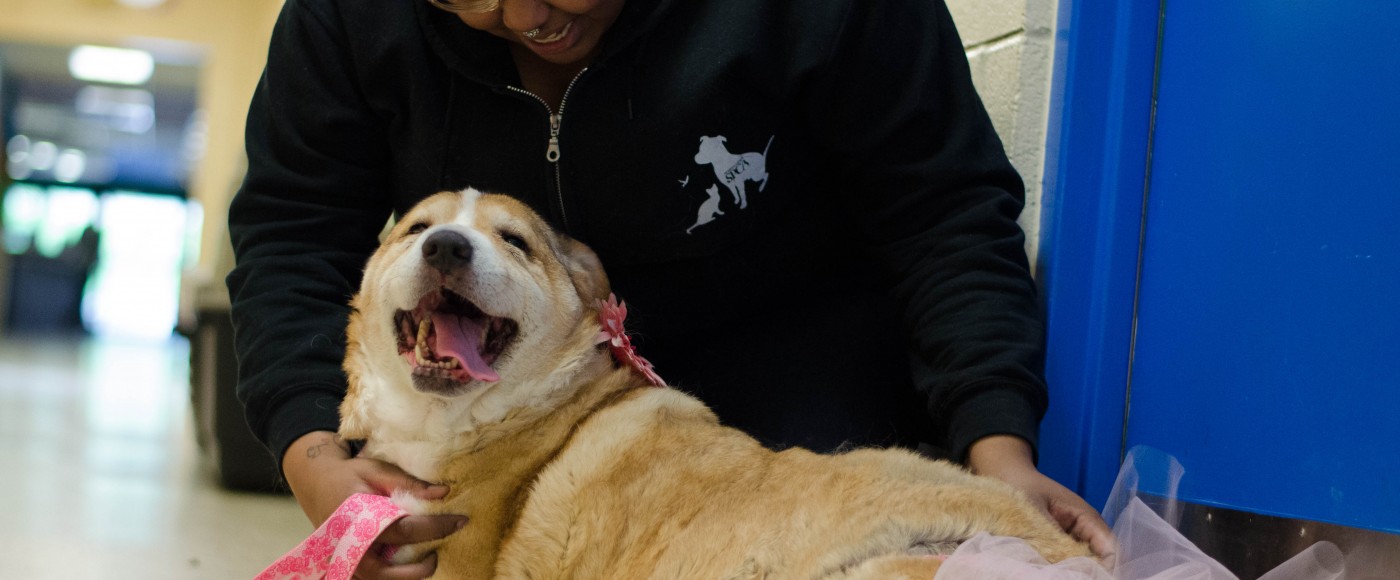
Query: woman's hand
[(322, 474), (1008, 458)]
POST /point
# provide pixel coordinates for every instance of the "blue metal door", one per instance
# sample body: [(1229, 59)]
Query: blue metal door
[(1267, 343)]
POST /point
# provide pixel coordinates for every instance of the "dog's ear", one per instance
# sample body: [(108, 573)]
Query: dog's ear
[(585, 270)]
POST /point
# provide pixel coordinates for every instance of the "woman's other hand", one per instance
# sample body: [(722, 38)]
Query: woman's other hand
[(322, 474), (1009, 459)]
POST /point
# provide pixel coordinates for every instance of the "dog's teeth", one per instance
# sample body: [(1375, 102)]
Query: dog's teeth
[(420, 347)]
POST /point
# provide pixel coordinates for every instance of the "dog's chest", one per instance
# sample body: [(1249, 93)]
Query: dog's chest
[(421, 459)]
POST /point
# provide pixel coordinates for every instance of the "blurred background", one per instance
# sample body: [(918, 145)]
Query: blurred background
[(121, 123)]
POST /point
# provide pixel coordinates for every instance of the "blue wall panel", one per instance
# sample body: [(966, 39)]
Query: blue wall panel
[(1269, 315)]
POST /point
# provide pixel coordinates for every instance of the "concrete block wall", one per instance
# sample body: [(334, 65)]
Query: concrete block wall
[(1008, 45)]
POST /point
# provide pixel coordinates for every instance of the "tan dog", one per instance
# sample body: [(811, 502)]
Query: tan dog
[(475, 360)]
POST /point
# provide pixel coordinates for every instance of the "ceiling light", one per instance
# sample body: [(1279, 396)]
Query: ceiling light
[(70, 166), (42, 155), (140, 3), (129, 110), (102, 64)]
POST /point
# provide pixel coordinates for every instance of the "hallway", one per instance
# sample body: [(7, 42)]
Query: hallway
[(105, 479)]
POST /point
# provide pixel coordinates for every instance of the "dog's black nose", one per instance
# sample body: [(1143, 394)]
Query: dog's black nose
[(447, 250)]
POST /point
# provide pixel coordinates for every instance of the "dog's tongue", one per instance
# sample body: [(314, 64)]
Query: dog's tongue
[(460, 337)]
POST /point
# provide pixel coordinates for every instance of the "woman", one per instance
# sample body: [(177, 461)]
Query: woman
[(803, 203)]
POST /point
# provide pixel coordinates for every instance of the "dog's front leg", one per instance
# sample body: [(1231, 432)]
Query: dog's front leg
[(894, 567), (410, 553)]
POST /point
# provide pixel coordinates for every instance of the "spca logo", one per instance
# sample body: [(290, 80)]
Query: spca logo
[(733, 170)]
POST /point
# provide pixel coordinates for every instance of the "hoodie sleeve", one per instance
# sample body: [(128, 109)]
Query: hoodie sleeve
[(303, 224), (939, 202)]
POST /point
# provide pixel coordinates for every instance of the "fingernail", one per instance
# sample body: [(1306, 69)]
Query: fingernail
[(437, 489), (462, 523)]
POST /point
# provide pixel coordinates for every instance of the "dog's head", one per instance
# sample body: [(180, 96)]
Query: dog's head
[(711, 149), (469, 292)]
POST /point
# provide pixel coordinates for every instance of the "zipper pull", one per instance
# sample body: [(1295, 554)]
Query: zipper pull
[(551, 154)]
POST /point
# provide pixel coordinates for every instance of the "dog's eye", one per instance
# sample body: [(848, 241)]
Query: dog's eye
[(516, 241), (417, 228)]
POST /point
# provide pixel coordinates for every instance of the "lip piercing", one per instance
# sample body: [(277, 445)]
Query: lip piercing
[(531, 33)]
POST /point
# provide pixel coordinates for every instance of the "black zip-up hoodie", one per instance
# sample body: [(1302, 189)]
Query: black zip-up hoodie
[(803, 203)]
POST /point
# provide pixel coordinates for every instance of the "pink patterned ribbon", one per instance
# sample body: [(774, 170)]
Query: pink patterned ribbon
[(336, 548)]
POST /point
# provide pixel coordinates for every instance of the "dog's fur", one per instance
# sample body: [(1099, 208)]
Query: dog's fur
[(571, 467)]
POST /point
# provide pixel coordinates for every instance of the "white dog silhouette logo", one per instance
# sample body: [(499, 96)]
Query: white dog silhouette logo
[(733, 170)]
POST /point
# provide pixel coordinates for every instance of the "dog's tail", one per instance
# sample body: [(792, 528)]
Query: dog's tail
[(765, 163)]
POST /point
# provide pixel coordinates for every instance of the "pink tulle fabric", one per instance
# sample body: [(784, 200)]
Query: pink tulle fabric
[(1149, 547), (335, 549)]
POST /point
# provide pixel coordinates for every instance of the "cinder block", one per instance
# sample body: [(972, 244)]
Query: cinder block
[(1011, 89), (981, 21), (996, 71), (1010, 49)]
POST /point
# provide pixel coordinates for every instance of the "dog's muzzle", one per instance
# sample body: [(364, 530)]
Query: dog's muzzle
[(446, 339)]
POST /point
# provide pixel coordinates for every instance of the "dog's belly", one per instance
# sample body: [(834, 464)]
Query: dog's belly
[(654, 489)]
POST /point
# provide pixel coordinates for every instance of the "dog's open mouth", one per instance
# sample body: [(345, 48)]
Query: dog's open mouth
[(448, 337)]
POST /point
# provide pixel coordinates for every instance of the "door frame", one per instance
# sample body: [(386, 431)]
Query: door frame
[(1098, 159)]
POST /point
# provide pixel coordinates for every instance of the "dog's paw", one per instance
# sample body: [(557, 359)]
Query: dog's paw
[(406, 554), (409, 502), (414, 506), (896, 567)]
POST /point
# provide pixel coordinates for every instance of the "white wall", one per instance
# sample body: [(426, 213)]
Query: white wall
[(1009, 45)]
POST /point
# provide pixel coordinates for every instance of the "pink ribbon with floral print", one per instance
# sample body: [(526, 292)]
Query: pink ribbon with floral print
[(611, 314), (335, 549)]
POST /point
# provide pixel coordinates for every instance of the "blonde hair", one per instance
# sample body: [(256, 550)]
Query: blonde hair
[(468, 6)]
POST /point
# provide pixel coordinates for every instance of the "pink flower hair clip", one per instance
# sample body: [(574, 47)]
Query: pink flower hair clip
[(611, 315)]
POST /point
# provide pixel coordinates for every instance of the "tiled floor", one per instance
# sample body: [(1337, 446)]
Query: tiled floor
[(104, 477)]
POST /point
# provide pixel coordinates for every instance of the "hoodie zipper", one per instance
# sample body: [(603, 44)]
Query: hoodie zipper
[(552, 151)]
